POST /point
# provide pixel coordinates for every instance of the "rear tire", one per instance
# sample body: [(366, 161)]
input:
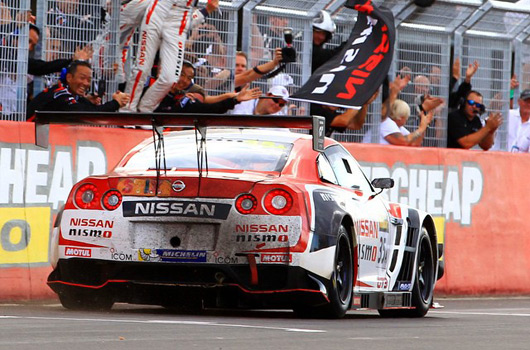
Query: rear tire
[(423, 288), (342, 279), (340, 293)]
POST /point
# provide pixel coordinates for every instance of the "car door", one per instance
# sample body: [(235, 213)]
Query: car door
[(370, 216)]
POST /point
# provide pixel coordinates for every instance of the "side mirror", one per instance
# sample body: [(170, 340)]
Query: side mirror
[(383, 183)]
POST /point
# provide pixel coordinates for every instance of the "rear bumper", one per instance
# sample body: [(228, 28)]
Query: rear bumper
[(278, 285)]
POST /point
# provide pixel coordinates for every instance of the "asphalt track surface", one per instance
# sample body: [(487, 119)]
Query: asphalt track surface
[(485, 323)]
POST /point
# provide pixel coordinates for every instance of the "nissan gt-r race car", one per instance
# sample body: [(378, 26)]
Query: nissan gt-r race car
[(243, 217)]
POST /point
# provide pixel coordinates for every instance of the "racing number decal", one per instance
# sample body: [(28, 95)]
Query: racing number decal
[(24, 235), (383, 253)]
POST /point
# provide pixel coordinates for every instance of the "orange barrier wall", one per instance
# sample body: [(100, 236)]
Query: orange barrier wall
[(478, 200), (33, 185)]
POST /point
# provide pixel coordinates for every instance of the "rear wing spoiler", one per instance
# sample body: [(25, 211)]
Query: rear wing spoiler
[(199, 121)]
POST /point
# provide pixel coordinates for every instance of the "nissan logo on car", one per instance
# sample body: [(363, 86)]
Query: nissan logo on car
[(178, 186), (196, 209)]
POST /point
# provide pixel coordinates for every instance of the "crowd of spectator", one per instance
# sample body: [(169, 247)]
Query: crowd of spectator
[(176, 72)]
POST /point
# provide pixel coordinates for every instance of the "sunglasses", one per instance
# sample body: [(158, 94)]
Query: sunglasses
[(476, 104), (279, 101)]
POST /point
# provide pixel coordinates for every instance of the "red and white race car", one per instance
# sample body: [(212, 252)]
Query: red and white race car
[(243, 218)]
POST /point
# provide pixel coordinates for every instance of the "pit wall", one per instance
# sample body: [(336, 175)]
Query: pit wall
[(478, 200)]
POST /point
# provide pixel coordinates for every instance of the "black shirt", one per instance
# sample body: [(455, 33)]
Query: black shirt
[(40, 67), (459, 126), (322, 55), (59, 98), (456, 98)]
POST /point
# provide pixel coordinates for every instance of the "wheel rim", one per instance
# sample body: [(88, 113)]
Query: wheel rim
[(343, 270), (425, 270)]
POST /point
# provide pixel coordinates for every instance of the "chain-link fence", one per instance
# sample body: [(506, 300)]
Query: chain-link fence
[(423, 49), (70, 25), (14, 41), (488, 39), (428, 40), (211, 48)]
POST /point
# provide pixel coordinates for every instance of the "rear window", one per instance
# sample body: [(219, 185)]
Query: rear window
[(222, 153)]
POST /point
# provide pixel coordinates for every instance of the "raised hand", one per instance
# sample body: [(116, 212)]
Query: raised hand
[(83, 54), (471, 70), (457, 69), (247, 94), (399, 84), (430, 103), (514, 83), (277, 55)]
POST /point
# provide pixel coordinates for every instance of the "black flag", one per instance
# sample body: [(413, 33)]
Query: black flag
[(352, 76)]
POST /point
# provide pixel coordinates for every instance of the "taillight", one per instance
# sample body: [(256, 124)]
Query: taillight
[(111, 199), (246, 203), (278, 202), (87, 197)]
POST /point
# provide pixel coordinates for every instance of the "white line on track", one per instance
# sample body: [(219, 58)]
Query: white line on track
[(481, 313), (195, 323), (383, 338)]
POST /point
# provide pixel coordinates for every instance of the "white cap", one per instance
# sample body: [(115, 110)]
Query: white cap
[(279, 91)]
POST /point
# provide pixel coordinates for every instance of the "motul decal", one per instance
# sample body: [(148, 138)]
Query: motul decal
[(276, 258), (79, 252)]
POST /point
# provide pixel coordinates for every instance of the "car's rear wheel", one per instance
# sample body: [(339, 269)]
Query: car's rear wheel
[(86, 300), (340, 293), (423, 288)]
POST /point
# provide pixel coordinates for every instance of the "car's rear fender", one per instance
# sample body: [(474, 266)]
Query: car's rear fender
[(324, 229), (330, 217)]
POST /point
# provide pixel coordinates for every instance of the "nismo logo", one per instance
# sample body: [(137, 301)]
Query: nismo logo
[(176, 208)]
